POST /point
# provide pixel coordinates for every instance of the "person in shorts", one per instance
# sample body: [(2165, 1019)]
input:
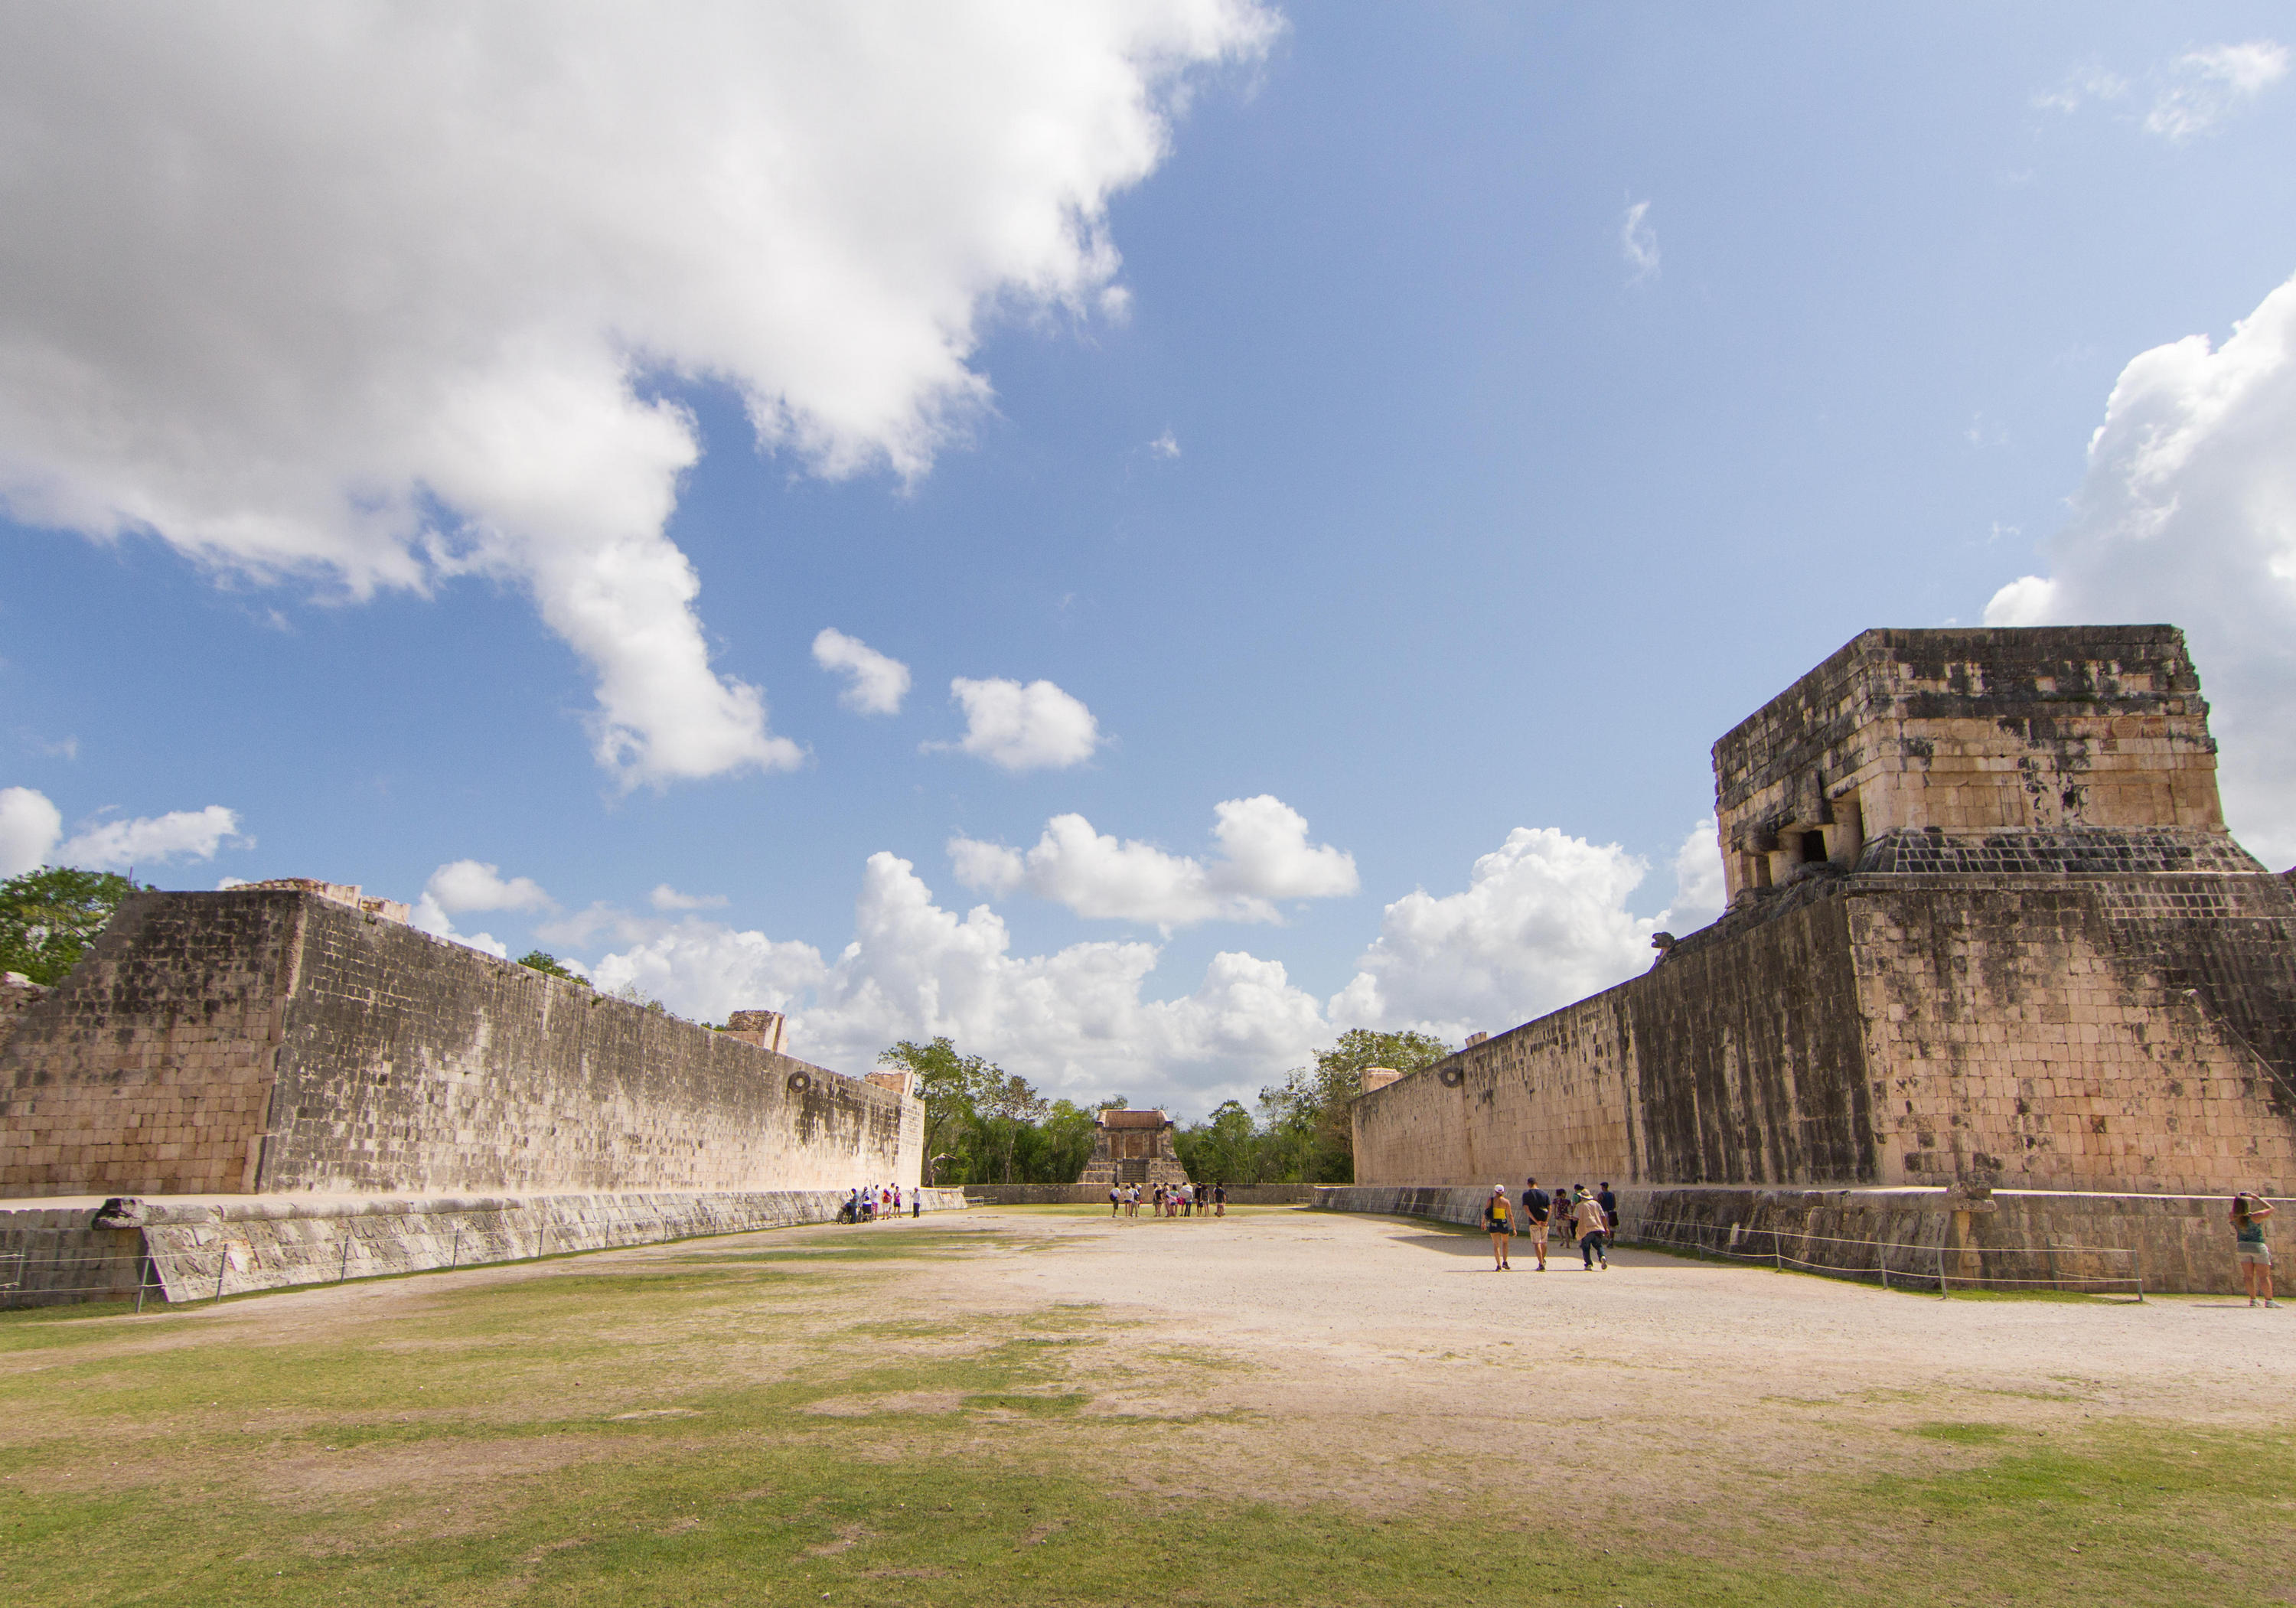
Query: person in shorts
[(1498, 1222), (1536, 1211), (1565, 1224), (2249, 1248)]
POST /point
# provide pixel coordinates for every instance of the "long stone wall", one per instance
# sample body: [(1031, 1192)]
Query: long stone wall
[(261, 1040), (192, 1250), (2091, 1033)]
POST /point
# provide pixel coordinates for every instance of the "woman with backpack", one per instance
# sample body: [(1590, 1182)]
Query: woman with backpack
[(2247, 1247), (1498, 1222)]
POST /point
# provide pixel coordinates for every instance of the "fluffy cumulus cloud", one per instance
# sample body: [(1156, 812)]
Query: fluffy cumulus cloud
[(30, 826), (1542, 921), (2206, 86), (460, 887), (31, 835), (1265, 858), (1015, 727), (1074, 1020), (376, 295), (2187, 514), (874, 683), (180, 834)]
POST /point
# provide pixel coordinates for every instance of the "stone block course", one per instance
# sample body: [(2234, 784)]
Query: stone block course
[(276, 1040)]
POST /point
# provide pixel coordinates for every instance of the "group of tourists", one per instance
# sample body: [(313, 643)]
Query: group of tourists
[(1172, 1201), (870, 1202), (1574, 1214), (1592, 1218)]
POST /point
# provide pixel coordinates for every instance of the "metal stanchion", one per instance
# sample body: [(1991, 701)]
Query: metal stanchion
[(344, 1272), (223, 1266)]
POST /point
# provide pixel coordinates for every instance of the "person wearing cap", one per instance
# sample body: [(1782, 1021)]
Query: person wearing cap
[(1593, 1228), (2247, 1247), (1498, 1221)]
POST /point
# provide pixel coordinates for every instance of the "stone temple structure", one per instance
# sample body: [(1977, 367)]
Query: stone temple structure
[(1132, 1147), (1985, 931), (360, 1096)]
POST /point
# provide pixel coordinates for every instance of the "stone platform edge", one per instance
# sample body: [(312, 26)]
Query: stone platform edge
[(2182, 1243), (189, 1248)]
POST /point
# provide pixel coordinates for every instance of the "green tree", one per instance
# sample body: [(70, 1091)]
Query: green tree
[(1308, 1130), (954, 1088), (1226, 1148), (550, 965), (48, 917)]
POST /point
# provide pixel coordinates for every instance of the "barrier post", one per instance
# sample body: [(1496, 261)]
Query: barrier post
[(1882, 1261), (1777, 1252), (1940, 1268), (455, 1256), (143, 1276), (344, 1272), (2136, 1265), (223, 1265)]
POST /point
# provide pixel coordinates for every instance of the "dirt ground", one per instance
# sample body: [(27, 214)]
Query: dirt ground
[(1320, 1362)]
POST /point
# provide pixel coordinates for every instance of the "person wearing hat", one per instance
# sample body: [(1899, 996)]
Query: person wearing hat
[(1498, 1222), (2247, 1247)]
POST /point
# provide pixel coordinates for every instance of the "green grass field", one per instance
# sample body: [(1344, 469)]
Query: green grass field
[(772, 1423)]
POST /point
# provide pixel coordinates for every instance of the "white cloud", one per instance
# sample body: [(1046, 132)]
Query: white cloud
[(1073, 1020), (1166, 446), (1015, 727), (2187, 516), (181, 834), (874, 683), (1542, 922), (1699, 890), (374, 295), (461, 885), (666, 897), (1265, 857), (29, 827), (2208, 86), (2082, 84), (1638, 242), (429, 916)]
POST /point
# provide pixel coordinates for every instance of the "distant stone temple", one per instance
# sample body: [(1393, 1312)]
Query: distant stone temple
[(1986, 928), (1132, 1147)]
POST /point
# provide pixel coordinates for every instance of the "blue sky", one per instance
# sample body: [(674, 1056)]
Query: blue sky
[(1501, 403)]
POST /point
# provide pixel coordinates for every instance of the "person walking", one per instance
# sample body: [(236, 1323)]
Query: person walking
[(1498, 1222), (1219, 1200), (2247, 1247), (1593, 1230), (1536, 1211), (1115, 1200), (1566, 1226), (1610, 1209)]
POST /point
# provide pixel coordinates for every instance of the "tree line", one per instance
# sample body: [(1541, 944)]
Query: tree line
[(984, 1125)]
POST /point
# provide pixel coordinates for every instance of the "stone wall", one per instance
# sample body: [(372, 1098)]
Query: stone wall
[(2081, 730), (276, 1040), (2172, 1242), (1877, 1029), (192, 1251)]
